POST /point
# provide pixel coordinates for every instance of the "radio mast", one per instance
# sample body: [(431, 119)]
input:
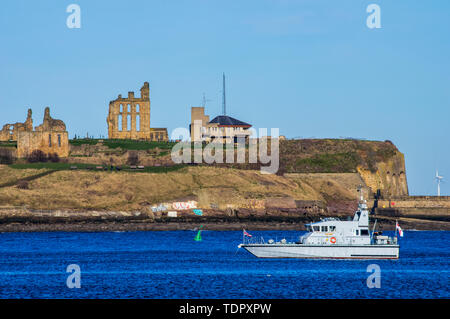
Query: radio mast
[(224, 101)]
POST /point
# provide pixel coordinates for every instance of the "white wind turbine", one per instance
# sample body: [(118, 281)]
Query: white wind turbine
[(438, 180)]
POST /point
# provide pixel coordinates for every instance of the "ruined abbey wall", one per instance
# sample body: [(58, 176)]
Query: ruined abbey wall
[(129, 118), (9, 132), (49, 137), (48, 142)]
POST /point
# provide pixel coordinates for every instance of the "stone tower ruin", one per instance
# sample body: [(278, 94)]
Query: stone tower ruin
[(129, 118)]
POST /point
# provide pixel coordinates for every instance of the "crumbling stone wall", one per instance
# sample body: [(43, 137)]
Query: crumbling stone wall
[(158, 134), (129, 118), (50, 124), (9, 132), (49, 137)]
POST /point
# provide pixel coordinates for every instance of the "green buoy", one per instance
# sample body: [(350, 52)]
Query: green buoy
[(199, 235)]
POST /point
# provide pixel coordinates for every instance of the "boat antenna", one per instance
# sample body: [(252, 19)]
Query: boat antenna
[(373, 230), (361, 197)]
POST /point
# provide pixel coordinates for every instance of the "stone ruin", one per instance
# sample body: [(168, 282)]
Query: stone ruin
[(129, 118), (50, 137), (9, 132), (50, 124)]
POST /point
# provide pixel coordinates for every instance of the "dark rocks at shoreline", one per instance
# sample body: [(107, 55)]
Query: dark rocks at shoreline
[(25, 220), (382, 224)]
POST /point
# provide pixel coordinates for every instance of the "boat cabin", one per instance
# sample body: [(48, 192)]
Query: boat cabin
[(334, 231)]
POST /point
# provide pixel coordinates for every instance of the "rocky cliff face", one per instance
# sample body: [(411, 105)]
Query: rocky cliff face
[(389, 177), (380, 164)]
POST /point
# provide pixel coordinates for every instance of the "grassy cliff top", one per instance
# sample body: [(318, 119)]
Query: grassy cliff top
[(123, 144), (296, 156), (333, 155)]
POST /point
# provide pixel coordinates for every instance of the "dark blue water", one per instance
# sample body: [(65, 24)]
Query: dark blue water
[(172, 265)]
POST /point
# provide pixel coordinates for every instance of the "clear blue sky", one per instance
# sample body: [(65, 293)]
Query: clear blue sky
[(311, 68)]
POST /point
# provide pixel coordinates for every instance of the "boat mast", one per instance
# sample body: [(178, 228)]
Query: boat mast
[(373, 230), (395, 228), (361, 196)]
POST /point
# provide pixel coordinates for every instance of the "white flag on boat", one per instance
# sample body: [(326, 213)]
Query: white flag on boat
[(397, 227)]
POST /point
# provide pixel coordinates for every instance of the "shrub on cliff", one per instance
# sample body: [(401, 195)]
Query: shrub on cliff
[(6, 156), (133, 158), (23, 184), (53, 157), (37, 156)]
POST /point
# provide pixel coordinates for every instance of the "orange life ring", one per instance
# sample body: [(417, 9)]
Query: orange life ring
[(333, 240)]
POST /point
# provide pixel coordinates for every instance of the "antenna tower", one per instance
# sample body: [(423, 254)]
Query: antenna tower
[(224, 101)]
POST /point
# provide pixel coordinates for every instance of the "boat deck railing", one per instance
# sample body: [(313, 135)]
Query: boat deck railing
[(261, 241)]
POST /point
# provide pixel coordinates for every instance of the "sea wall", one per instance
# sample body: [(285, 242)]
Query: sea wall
[(20, 219), (420, 207)]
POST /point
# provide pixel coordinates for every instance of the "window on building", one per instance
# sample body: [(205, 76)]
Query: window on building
[(119, 122), (138, 123), (357, 232), (49, 140), (59, 140), (11, 132), (364, 232)]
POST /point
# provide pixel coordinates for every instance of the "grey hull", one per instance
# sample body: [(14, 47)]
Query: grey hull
[(325, 251)]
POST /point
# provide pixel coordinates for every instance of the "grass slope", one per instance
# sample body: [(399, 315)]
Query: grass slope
[(129, 191)]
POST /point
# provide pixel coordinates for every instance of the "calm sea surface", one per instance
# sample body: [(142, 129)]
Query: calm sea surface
[(172, 265)]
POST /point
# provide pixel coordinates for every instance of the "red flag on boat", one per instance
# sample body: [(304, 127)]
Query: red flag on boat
[(397, 227), (246, 234)]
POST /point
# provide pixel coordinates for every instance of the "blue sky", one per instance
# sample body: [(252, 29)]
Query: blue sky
[(311, 68)]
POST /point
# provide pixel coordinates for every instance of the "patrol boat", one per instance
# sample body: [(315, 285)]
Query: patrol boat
[(331, 238)]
